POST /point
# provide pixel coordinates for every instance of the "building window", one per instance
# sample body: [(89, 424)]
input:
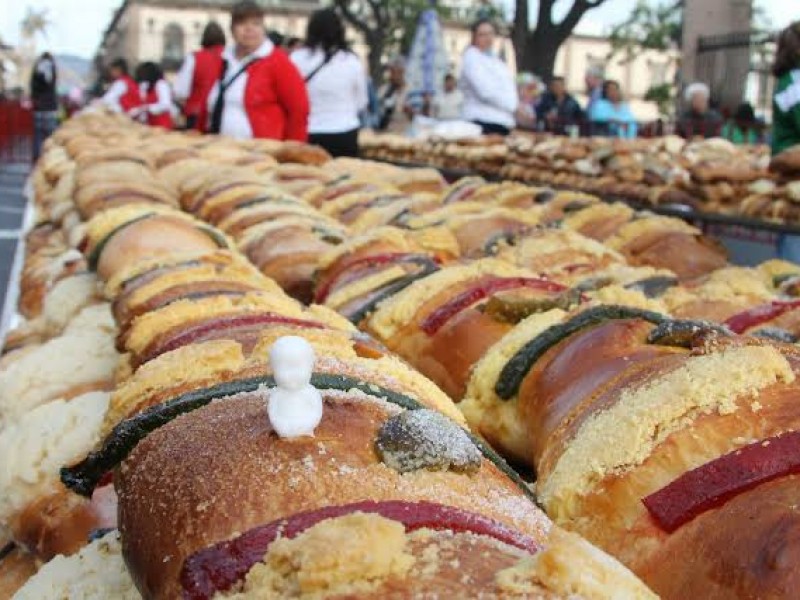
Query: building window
[(151, 25), (172, 55)]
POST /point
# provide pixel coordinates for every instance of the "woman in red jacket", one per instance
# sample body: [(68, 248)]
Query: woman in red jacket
[(156, 97), (198, 74), (259, 93)]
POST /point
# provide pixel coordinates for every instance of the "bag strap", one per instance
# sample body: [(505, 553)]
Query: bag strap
[(325, 61), (224, 86)]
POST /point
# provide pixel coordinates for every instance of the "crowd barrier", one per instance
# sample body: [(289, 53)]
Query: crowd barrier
[(16, 132)]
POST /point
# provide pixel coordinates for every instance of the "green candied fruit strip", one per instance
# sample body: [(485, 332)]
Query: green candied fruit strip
[(94, 255), (517, 368), (84, 477)]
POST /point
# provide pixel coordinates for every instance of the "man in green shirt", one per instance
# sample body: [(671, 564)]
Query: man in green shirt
[(786, 114), (786, 101)]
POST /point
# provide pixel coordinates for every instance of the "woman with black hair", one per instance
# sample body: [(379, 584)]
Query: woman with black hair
[(786, 101), (198, 74), (337, 84), (156, 95), (45, 101), (611, 115)]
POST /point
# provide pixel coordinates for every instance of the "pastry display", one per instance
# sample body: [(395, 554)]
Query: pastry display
[(707, 176), (269, 374)]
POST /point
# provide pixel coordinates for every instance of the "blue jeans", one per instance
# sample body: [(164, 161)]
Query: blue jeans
[(789, 247), (45, 122)]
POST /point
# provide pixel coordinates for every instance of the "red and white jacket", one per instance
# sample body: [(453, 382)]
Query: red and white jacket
[(193, 83), (268, 100), (123, 95), (157, 104)]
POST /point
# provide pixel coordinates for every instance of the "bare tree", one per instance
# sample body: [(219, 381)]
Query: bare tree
[(536, 48)]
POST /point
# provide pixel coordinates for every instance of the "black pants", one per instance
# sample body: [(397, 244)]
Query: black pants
[(337, 144), (492, 128)]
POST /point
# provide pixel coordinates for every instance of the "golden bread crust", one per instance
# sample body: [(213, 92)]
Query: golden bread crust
[(234, 473)]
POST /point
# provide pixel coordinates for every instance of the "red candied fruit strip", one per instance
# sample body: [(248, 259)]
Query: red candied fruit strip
[(716, 482), (188, 336), (741, 322), (577, 267), (373, 260), (106, 479), (461, 194), (437, 318), (219, 567)]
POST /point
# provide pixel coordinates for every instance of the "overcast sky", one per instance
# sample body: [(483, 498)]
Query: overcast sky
[(76, 25)]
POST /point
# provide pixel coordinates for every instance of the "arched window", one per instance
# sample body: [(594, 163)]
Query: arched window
[(173, 46)]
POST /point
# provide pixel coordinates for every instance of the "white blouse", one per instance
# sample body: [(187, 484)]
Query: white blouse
[(336, 93), (490, 94), (113, 94), (163, 103)]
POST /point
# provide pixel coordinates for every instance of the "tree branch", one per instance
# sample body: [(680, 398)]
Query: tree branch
[(545, 16), (521, 26), (576, 12), (351, 17)]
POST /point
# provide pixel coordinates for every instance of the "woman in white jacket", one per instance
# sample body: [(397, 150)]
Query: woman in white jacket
[(490, 95), (337, 84)]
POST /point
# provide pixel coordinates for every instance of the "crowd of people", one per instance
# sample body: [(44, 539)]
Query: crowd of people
[(317, 89)]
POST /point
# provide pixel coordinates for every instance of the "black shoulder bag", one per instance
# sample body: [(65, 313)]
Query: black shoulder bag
[(219, 106)]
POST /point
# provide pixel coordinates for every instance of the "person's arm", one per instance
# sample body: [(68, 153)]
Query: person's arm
[(183, 80), (543, 107), (627, 120), (113, 94), (600, 111), (485, 84), (361, 92), (632, 127), (575, 110), (163, 102), (293, 97)]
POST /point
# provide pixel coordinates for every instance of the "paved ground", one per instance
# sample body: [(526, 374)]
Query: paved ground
[(12, 206)]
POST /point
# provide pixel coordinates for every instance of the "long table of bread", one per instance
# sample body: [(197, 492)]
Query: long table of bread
[(710, 180), (249, 370)]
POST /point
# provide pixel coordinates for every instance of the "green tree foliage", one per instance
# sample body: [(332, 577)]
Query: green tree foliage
[(664, 97), (650, 26)]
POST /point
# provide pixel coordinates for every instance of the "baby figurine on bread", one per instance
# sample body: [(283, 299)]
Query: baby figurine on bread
[(295, 406)]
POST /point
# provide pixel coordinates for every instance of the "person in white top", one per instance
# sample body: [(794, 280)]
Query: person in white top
[(336, 82), (123, 94), (156, 97), (449, 104), (260, 93), (490, 95), (198, 74)]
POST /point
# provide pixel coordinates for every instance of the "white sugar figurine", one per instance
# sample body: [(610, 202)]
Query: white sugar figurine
[(295, 406)]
